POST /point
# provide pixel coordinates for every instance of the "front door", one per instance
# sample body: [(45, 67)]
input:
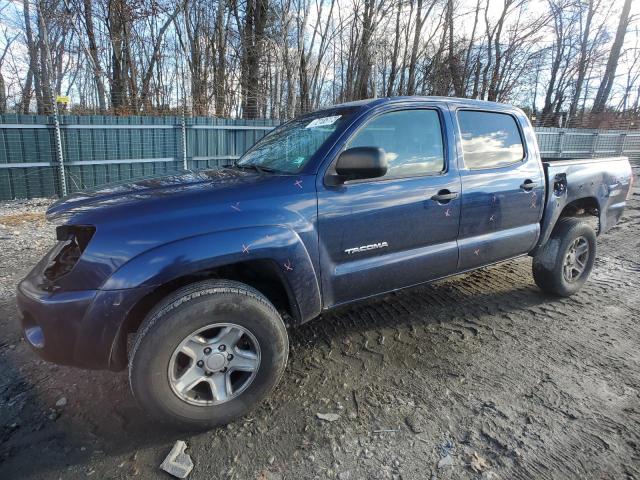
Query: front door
[(503, 187), (399, 230)]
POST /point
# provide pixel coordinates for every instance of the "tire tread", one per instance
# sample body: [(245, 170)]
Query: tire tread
[(191, 292), (547, 272)]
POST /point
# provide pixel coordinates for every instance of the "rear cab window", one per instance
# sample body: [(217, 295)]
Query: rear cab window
[(489, 139)]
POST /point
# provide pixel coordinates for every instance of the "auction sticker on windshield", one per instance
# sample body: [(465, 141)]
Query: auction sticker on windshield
[(323, 122)]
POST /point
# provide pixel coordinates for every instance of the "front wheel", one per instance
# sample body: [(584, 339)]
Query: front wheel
[(208, 354), (564, 263)]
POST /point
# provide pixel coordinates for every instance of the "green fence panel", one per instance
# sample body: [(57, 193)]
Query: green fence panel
[(99, 150)]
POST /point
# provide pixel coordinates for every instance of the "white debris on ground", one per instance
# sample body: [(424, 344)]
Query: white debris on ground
[(24, 235), (178, 463), (328, 417)]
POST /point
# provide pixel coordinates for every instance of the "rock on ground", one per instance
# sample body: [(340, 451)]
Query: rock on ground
[(178, 463)]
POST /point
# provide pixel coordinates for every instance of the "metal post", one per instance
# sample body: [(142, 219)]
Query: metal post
[(560, 142), (623, 143), (184, 142), (183, 126), (56, 124), (56, 121), (594, 145)]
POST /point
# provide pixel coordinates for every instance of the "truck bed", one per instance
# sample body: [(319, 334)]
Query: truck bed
[(580, 161), (595, 184)]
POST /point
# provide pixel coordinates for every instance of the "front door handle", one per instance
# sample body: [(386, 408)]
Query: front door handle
[(528, 185), (444, 196)]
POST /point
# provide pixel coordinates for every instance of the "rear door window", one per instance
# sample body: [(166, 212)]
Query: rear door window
[(489, 139)]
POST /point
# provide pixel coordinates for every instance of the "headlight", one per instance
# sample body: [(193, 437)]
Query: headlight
[(73, 240)]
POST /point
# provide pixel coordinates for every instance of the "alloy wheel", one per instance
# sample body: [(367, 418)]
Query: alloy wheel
[(576, 258), (214, 364)]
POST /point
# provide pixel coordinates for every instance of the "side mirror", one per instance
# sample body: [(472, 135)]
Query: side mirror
[(358, 163)]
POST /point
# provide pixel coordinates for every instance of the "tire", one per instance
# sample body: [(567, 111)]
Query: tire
[(552, 263), (177, 332)]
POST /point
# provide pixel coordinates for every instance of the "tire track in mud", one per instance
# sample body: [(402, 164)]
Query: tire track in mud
[(550, 409)]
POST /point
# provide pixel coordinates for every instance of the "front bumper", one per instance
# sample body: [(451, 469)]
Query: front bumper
[(79, 328)]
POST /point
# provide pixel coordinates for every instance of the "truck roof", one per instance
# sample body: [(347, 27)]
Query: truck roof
[(469, 102)]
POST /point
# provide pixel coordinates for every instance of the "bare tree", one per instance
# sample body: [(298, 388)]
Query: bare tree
[(279, 58), (8, 40), (585, 50), (98, 74), (602, 97)]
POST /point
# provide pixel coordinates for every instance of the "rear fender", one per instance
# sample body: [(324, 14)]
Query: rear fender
[(585, 182)]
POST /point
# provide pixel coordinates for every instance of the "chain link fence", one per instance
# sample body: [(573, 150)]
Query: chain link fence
[(97, 150), (589, 143)]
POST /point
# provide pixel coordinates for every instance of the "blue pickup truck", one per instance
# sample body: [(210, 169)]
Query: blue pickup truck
[(192, 280)]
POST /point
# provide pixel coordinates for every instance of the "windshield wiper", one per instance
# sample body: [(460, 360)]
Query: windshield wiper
[(258, 168)]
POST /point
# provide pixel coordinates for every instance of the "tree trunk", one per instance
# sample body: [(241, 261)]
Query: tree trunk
[(116, 24), (411, 81), (220, 74), (492, 94), (602, 97), (396, 52), (33, 63), (45, 63), (549, 101), (454, 64), (252, 39), (93, 54), (363, 57), (583, 62), (25, 99)]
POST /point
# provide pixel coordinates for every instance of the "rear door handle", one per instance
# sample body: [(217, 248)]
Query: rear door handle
[(528, 185), (444, 196)]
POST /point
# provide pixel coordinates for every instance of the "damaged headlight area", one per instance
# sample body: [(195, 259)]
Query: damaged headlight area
[(72, 241)]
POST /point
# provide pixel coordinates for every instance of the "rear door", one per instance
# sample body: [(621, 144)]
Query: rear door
[(503, 185), (387, 233)]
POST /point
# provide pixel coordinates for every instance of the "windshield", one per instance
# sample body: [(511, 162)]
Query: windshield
[(289, 147)]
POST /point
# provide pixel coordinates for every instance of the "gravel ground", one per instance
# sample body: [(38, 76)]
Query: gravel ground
[(479, 376), (24, 236)]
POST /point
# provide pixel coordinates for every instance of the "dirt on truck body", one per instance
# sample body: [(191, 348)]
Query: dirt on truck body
[(478, 376)]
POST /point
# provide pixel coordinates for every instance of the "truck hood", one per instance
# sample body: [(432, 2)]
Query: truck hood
[(149, 190), (208, 208)]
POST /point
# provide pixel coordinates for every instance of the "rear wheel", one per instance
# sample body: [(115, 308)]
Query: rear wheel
[(564, 263), (208, 354)]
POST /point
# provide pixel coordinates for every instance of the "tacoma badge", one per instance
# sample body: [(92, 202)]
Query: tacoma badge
[(366, 248)]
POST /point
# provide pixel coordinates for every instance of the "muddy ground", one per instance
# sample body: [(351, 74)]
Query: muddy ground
[(479, 376)]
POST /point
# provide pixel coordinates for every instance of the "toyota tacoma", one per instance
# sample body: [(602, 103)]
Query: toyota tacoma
[(190, 281)]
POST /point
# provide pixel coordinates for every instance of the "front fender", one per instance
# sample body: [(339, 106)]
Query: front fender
[(279, 244)]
